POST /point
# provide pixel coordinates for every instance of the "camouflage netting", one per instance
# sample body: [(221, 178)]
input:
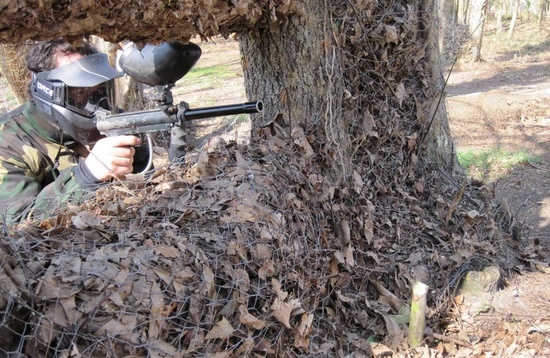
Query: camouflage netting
[(150, 20), (254, 249), (248, 249)]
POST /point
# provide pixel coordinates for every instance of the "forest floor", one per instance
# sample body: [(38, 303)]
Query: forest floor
[(503, 103)]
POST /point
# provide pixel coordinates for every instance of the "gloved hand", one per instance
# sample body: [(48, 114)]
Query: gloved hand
[(176, 150)]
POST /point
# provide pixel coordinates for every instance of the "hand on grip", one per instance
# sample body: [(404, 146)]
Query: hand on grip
[(112, 156)]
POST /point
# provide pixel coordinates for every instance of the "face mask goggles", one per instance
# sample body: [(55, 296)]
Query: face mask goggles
[(71, 95)]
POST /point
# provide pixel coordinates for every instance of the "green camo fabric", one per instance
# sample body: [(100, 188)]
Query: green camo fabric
[(30, 184)]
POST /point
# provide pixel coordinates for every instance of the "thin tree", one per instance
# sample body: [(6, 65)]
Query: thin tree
[(542, 12), (515, 12), (476, 23)]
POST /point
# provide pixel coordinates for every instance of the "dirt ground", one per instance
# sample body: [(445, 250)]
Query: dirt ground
[(504, 103)]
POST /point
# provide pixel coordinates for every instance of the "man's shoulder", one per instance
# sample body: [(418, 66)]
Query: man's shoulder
[(22, 118), (12, 122), (18, 127), (9, 116)]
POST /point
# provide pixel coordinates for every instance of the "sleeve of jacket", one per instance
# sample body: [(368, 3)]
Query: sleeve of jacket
[(22, 194)]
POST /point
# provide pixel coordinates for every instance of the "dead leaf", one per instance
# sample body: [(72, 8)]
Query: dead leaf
[(85, 220), (208, 281), (301, 141), (222, 330), (250, 320), (241, 213), (283, 310), (400, 93), (391, 34), (301, 339), (156, 322), (343, 298), (277, 287), (262, 252), (380, 350), (123, 325), (170, 252), (196, 306), (267, 270), (357, 182)]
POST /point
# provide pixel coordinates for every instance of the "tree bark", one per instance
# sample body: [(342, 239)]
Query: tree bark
[(287, 69), (14, 69), (309, 76)]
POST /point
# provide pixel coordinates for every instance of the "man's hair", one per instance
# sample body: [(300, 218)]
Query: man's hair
[(42, 57)]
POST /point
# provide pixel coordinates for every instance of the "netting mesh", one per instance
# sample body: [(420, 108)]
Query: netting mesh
[(210, 259)]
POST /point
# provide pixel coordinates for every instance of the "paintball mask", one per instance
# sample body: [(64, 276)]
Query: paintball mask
[(71, 95)]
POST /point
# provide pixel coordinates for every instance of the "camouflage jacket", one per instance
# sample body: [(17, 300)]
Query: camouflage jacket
[(35, 169)]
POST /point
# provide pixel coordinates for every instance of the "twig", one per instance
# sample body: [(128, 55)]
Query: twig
[(443, 338), (456, 201), (393, 300)]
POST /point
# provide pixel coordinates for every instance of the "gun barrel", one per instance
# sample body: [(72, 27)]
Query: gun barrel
[(227, 110), (156, 120)]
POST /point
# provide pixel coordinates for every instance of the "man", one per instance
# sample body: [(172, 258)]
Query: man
[(50, 150)]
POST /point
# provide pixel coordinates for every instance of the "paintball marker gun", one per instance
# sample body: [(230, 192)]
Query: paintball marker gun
[(162, 66)]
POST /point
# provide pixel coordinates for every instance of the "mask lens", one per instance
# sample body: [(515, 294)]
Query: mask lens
[(87, 100)]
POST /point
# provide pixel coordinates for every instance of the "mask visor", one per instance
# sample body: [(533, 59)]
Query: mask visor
[(87, 100)]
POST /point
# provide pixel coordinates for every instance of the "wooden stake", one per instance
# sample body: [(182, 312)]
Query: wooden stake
[(418, 314)]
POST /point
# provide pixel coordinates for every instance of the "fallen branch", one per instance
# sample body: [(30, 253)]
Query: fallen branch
[(443, 338), (394, 302)]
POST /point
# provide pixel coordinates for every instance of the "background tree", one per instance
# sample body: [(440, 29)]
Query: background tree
[(462, 11), (515, 13), (542, 11), (476, 23)]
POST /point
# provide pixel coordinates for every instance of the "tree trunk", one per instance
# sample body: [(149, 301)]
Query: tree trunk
[(476, 24), (514, 19), (301, 77), (499, 20), (14, 68), (447, 17), (542, 12), (462, 11), (288, 70), (337, 91)]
